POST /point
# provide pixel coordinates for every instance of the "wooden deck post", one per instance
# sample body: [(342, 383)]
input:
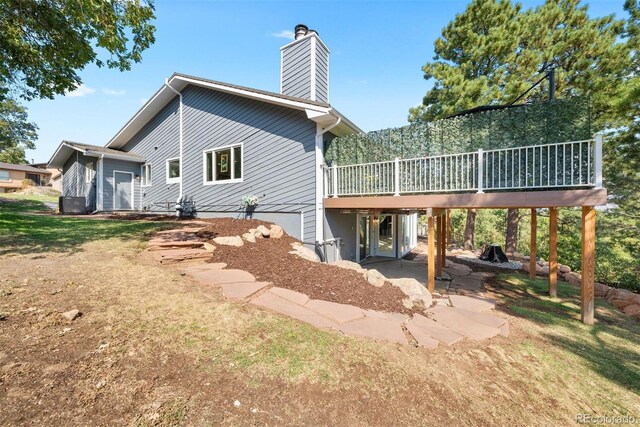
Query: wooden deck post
[(445, 225), (532, 254), (553, 252), (588, 263), (439, 245), (431, 280), (449, 225)]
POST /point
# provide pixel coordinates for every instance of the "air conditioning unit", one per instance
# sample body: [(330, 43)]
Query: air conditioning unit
[(72, 205)]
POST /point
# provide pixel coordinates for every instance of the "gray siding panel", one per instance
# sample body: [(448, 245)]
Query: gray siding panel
[(296, 70), (108, 168), (343, 225), (278, 158), (322, 73), (74, 179)]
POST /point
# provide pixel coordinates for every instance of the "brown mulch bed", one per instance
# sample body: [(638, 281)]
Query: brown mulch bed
[(269, 260)]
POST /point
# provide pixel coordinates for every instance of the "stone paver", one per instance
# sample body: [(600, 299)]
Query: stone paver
[(280, 305), (466, 282), (160, 246), (175, 256), (242, 290), (221, 277), (482, 318), (288, 294), (472, 303), (422, 338), (204, 267), (396, 317), (378, 329), (460, 322), (340, 313), (433, 329), (504, 329)]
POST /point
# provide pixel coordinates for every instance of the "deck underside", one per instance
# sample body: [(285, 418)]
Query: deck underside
[(502, 200)]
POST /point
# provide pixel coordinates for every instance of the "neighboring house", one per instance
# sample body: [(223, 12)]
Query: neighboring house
[(209, 144), (11, 176), (55, 180)]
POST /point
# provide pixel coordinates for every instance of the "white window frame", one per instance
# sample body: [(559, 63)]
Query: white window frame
[(89, 172), (8, 176), (173, 180), (231, 162), (142, 175)]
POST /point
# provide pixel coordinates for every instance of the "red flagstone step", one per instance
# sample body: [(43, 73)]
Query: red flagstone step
[(423, 326), (242, 290), (293, 296), (273, 302), (340, 313), (174, 256), (378, 329), (187, 230), (183, 244), (466, 322), (222, 277), (204, 267), (396, 317), (472, 303), (466, 282)]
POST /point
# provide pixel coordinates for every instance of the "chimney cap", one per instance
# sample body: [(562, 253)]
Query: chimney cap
[(300, 31)]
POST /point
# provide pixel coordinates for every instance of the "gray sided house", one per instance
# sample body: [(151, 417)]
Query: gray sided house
[(206, 145)]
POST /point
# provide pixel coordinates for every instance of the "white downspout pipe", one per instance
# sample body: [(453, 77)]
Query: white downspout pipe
[(166, 83)]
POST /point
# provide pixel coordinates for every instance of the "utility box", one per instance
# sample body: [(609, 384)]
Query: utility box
[(72, 205)]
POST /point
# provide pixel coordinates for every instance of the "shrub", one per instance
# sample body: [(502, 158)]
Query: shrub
[(26, 183)]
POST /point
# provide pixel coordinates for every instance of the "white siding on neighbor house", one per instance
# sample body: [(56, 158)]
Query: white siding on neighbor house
[(278, 158)]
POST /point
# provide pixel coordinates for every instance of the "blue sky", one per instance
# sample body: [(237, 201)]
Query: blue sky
[(377, 50)]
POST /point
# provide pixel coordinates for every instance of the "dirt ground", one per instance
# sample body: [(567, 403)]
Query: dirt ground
[(153, 347)]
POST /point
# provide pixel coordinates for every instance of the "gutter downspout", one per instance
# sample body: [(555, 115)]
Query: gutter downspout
[(320, 179), (166, 83)]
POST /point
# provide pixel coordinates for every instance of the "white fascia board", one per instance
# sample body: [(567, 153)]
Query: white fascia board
[(133, 159), (252, 95)]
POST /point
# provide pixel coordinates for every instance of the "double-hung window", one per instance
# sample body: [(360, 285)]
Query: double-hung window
[(223, 165), (173, 171), (146, 175)]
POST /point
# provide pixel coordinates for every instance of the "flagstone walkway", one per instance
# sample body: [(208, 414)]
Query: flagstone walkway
[(463, 312)]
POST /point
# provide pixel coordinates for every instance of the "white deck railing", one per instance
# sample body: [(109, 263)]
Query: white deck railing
[(575, 164)]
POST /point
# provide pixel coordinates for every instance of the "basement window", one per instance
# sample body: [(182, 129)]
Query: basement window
[(223, 165), (146, 175), (173, 171)]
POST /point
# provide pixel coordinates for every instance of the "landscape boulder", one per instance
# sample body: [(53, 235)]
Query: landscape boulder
[(303, 252), (601, 290), (349, 265), (632, 310), (276, 232), (250, 236), (264, 231), (414, 290), (229, 241), (573, 278), (72, 315), (564, 268), (374, 277)]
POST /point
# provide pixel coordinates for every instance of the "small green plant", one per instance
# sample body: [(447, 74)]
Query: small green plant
[(250, 200)]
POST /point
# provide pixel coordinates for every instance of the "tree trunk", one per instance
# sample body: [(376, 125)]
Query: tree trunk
[(469, 229), (511, 243)]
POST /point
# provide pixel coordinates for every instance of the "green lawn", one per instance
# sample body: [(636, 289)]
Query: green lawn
[(610, 348), (25, 227)]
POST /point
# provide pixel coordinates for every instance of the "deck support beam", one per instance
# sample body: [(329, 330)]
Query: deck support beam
[(553, 252), (431, 279), (532, 252), (588, 264)]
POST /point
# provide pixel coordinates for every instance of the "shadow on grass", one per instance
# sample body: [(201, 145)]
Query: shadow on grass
[(611, 347), (23, 233)]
